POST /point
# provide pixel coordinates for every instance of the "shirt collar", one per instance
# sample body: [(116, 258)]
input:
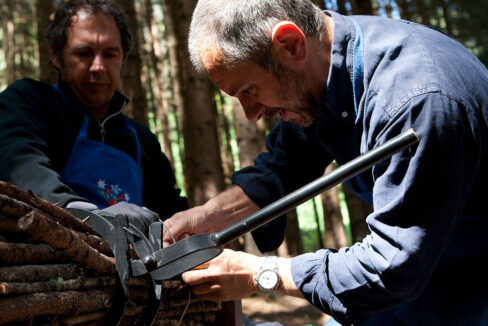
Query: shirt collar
[(338, 96), (117, 103)]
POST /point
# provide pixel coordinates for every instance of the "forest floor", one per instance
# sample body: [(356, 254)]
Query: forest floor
[(289, 311)]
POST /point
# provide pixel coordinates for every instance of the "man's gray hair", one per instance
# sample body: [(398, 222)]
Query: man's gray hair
[(240, 30)]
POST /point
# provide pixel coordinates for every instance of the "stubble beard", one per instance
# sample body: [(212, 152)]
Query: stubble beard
[(296, 94)]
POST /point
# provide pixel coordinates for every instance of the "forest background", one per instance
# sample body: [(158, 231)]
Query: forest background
[(203, 132)]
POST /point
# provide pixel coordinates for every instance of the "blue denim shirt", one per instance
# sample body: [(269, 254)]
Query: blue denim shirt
[(423, 261)]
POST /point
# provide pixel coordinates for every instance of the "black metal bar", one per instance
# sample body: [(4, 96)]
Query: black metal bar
[(299, 196)]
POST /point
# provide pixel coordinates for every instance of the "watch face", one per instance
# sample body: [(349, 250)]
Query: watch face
[(268, 280)]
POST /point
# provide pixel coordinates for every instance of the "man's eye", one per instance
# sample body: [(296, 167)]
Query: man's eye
[(83, 53), (110, 55), (250, 91)]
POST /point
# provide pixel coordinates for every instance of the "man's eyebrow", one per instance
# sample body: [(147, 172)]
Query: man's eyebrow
[(114, 48)]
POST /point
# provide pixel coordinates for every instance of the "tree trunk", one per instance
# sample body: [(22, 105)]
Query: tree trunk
[(293, 236), (404, 9), (362, 7), (422, 11), (224, 137), (42, 11), (250, 141), (446, 16), (319, 3), (156, 73), (335, 234), (341, 7), (204, 177), (8, 27), (131, 83), (358, 211)]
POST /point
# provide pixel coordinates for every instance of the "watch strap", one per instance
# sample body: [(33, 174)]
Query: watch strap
[(268, 263)]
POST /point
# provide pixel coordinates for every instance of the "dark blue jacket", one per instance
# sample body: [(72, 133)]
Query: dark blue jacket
[(37, 133), (423, 262)]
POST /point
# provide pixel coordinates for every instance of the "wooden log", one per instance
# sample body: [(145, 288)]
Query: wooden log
[(96, 242), (8, 224), (60, 214), (60, 237), (13, 207), (37, 273), (84, 318), (23, 253), (57, 284), (26, 307)]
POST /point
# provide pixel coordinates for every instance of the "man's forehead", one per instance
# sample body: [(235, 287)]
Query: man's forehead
[(98, 23)]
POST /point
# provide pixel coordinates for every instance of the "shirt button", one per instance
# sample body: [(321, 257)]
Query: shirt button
[(344, 114)]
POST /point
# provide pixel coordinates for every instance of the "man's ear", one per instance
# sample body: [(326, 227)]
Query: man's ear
[(54, 59), (288, 43)]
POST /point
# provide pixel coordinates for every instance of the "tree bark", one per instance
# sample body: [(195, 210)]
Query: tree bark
[(161, 113), (358, 211), (62, 238), (335, 234), (37, 273), (293, 235), (23, 253), (204, 177), (26, 307), (8, 28), (42, 11), (15, 194), (131, 83), (362, 7), (10, 288)]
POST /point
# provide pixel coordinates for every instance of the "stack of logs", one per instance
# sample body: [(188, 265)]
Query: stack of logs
[(55, 270)]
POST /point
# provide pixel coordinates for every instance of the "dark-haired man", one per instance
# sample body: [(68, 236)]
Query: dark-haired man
[(342, 86), (70, 143)]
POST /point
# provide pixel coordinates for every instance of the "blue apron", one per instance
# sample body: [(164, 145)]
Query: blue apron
[(100, 173), (358, 186)]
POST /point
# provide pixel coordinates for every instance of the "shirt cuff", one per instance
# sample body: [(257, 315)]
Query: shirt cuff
[(310, 274)]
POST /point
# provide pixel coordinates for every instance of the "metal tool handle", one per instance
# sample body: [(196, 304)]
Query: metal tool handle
[(299, 196)]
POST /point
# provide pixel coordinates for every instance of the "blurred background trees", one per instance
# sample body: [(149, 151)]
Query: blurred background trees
[(204, 132)]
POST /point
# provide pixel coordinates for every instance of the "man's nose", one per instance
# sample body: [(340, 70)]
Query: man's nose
[(98, 63), (253, 109)]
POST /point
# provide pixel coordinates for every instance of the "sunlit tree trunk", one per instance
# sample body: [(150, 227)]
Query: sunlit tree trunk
[(358, 211), (335, 234), (293, 236), (8, 29), (43, 9), (204, 177), (225, 137), (131, 83), (156, 74), (250, 138)]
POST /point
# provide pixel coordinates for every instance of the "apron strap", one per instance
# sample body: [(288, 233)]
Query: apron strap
[(86, 122)]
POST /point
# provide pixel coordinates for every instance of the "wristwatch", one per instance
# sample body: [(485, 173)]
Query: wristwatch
[(267, 277)]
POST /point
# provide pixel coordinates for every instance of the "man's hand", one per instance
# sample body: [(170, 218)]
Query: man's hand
[(215, 215), (184, 224), (141, 217), (229, 276)]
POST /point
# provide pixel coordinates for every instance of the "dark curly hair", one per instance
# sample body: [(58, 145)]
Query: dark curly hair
[(56, 33)]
